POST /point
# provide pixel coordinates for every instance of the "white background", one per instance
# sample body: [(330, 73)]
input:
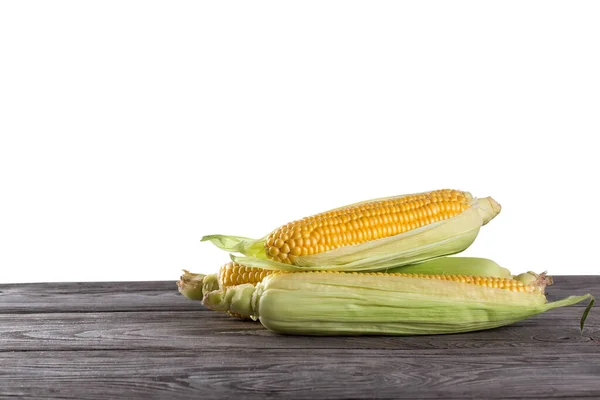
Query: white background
[(131, 129)]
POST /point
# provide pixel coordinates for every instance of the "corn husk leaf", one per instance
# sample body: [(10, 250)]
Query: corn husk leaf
[(471, 266)]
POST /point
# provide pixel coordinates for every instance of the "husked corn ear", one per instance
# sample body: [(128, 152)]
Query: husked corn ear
[(355, 224), (372, 235), (338, 303)]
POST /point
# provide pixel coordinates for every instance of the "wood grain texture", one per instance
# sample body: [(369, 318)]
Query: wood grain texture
[(143, 340), (92, 296), (180, 330), (284, 373)]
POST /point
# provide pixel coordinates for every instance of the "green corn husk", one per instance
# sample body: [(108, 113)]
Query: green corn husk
[(195, 286), (471, 266), (434, 240), (320, 303)]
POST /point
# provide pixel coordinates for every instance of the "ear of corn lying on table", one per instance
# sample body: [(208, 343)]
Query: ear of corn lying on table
[(315, 276), (358, 303), (373, 235), (195, 286), (338, 303)]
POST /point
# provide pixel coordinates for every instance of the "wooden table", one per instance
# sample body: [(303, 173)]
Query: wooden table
[(144, 340)]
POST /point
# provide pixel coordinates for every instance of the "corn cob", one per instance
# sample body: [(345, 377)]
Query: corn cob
[(374, 303), (372, 235), (195, 286), (356, 224)]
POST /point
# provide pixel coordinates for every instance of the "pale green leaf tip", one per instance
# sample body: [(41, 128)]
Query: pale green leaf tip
[(586, 312)]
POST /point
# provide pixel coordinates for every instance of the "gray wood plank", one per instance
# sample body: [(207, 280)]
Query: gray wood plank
[(150, 296), (93, 297), (569, 285), (212, 330), (307, 374)]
